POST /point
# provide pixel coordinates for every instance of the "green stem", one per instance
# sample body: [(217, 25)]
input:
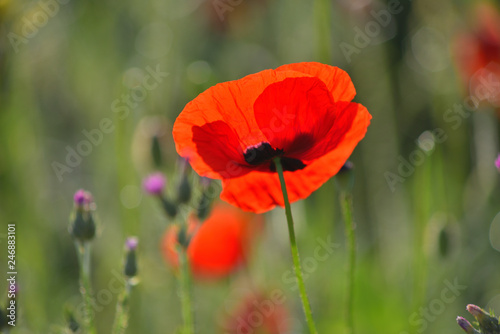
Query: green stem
[(295, 251), (185, 287), (122, 310), (83, 251), (346, 202)]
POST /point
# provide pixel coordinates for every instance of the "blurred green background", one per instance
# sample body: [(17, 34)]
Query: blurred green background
[(74, 68)]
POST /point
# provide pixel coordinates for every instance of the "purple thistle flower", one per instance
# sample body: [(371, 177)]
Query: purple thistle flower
[(79, 197), (82, 197), (154, 183), (131, 243), (497, 162)]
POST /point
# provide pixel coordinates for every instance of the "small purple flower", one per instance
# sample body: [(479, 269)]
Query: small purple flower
[(154, 184), (497, 162), (466, 326), (131, 243), (82, 197)]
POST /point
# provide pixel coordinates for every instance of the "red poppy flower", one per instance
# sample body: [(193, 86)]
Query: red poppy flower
[(300, 112), (477, 53), (218, 245)]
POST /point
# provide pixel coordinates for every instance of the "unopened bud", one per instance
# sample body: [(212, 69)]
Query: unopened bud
[(156, 151), (487, 323), (466, 326), (184, 189), (82, 225), (169, 207), (205, 201), (130, 268)]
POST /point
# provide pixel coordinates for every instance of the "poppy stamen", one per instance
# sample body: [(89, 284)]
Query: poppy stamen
[(263, 153)]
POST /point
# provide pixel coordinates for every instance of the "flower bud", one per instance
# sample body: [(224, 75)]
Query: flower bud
[(205, 201), (82, 225), (169, 207), (466, 326), (154, 184), (156, 151), (184, 189), (497, 163), (487, 323), (130, 268)]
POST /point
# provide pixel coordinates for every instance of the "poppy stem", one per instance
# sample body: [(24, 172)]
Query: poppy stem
[(295, 251), (185, 287), (346, 203)]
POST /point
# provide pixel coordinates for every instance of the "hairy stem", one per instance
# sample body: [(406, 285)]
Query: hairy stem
[(295, 251), (83, 251)]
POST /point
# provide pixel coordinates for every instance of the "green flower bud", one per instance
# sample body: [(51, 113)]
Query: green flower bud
[(169, 207), (156, 152), (82, 225), (205, 201), (130, 268), (184, 188), (487, 323)]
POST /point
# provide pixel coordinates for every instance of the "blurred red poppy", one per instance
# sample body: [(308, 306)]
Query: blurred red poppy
[(299, 112), (259, 313), (477, 53), (219, 245)]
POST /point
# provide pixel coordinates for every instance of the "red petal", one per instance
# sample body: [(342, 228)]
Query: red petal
[(220, 244), (217, 145), (231, 103), (344, 117), (337, 80), (260, 192), (295, 113)]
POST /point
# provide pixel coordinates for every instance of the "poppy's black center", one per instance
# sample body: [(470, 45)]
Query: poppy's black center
[(263, 153)]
